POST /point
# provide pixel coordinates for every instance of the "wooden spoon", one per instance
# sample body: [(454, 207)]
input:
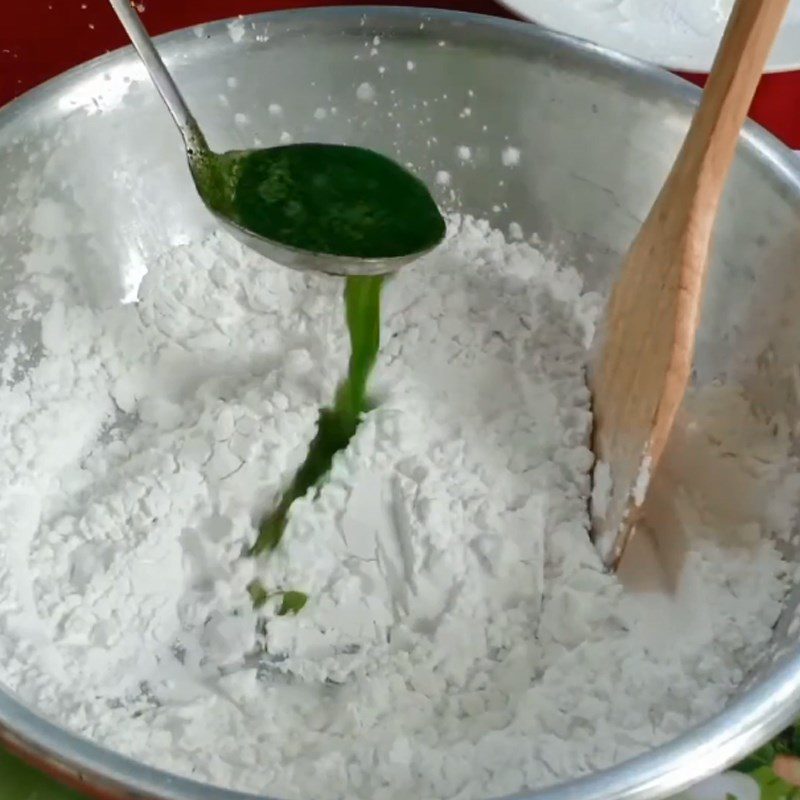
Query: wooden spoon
[(654, 310)]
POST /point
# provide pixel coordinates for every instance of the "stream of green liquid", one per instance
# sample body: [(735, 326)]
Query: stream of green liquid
[(337, 200), (337, 423), (336, 426)]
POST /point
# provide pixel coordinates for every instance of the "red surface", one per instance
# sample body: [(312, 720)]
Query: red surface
[(776, 106), (40, 38)]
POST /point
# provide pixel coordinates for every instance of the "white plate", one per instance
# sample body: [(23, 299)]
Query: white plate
[(678, 34)]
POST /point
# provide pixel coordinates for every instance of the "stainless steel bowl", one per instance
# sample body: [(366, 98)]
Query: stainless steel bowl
[(596, 134)]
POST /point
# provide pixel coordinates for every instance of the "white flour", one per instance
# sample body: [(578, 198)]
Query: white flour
[(460, 640)]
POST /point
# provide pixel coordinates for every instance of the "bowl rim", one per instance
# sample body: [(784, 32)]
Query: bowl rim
[(748, 722)]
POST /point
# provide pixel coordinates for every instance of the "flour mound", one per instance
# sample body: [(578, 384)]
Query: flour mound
[(461, 639)]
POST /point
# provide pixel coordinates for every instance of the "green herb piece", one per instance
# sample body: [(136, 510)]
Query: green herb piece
[(258, 594), (292, 603), (759, 765), (772, 787)]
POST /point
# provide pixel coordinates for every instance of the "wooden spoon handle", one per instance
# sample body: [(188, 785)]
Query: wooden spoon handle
[(686, 208), (688, 203), (709, 148), (654, 309)]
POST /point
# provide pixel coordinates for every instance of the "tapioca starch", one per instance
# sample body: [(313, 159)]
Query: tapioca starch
[(461, 638)]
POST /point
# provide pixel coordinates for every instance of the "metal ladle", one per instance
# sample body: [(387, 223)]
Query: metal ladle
[(200, 155)]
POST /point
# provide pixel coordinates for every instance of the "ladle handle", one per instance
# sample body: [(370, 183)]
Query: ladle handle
[(192, 135)]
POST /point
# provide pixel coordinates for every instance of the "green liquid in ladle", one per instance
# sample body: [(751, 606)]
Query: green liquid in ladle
[(330, 199)]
